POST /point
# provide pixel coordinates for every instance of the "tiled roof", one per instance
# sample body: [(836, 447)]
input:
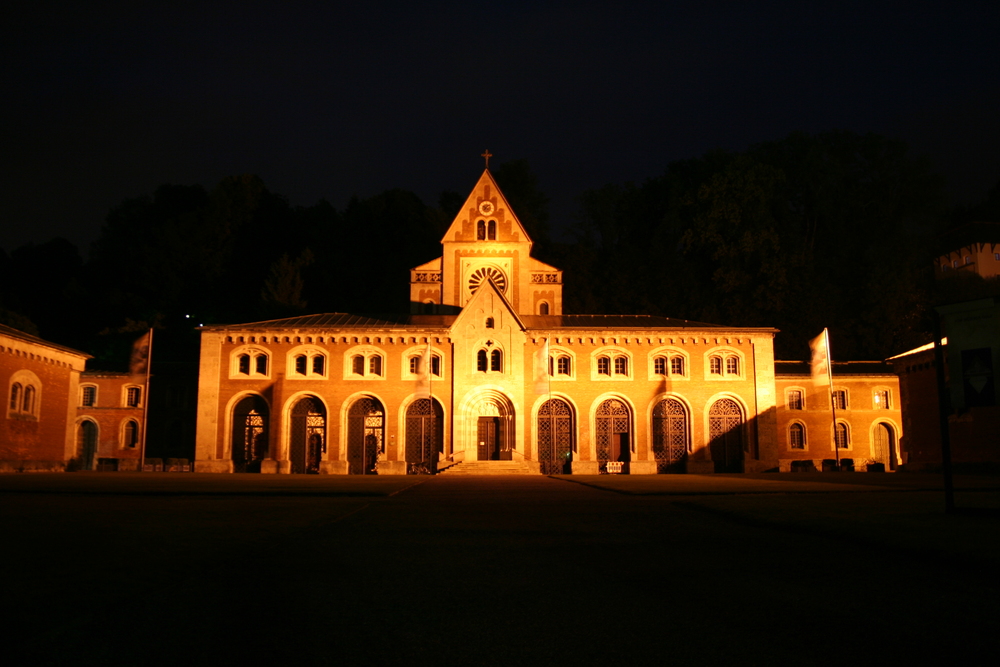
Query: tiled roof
[(344, 321)]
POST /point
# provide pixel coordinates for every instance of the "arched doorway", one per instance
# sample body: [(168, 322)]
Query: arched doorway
[(614, 432), (86, 444), (365, 435), (424, 435), (670, 436), (884, 446), (308, 437), (249, 444), (555, 436), (725, 428), (493, 416)]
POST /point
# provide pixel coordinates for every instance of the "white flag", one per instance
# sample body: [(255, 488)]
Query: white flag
[(139, 362), (424, 373), (542, 369), (820, 365)]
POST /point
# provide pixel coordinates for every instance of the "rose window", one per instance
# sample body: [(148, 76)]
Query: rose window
[(479, 277)]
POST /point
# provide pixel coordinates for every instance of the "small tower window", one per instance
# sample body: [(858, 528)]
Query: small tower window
[(492, 230), (543, 308), (489, 322), (496, 361), (481, 361), (481, 230)]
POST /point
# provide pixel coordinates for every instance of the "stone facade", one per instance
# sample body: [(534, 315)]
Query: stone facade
[(868, 415), (109, 420), (41, 382), (486, 367)]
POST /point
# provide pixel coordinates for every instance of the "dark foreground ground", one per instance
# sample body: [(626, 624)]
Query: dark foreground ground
[(160, 569)]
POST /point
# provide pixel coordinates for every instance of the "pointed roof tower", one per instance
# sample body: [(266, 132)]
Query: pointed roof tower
[(486, 241)]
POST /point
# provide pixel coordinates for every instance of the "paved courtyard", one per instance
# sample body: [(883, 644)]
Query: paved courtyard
[(120, 569)]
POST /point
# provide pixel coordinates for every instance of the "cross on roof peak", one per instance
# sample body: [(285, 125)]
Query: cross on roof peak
[(487, 155)]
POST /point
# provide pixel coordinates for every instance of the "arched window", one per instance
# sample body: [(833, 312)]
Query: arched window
[(130, 434), (301, 364), (482, 364), (621, 365), (604, 365), (677, 365), (613, 432), (496, 361), (28, 405), (797, 436), (260, 363), (15, 396), (543, 308), (564, 365), (244, 364), (733, 365), (375, 365), (481, 230), (491, 233), (318, 364), (358, 364), (842, 436), (660, 366), (715, 365)]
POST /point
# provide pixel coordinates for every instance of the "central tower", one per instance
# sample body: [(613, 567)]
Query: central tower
[(486, 241)]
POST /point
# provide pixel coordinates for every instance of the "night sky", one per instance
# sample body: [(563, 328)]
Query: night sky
[(326, 101)]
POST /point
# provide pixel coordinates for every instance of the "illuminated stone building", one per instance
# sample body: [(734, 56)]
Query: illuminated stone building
[(486, 373), (41, 381), (866, 410), (109, 420)]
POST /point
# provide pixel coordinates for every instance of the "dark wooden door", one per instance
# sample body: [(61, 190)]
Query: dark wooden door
[(489, 439)]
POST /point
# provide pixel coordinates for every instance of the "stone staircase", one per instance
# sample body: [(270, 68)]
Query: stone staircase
[(488, 468)]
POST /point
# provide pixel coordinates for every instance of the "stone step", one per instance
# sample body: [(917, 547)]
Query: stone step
[(487, 468)]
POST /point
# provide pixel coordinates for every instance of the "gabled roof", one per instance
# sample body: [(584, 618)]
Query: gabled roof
[(487, 288), (486, 188), (28, 338)]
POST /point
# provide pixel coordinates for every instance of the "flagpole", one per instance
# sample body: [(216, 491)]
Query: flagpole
[(145, 404), (833, 405)]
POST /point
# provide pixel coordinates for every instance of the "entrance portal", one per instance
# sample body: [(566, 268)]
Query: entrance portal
[(365, 435), (614, 433), (725, 426), (884, 447), (489, 437), (249, 445), (308, 435)]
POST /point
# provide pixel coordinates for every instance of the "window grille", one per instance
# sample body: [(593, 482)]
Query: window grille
[(841, 436), (881, 400), (132, 396), (89, 397), (795, 400), (840, 399), (797, 436)]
